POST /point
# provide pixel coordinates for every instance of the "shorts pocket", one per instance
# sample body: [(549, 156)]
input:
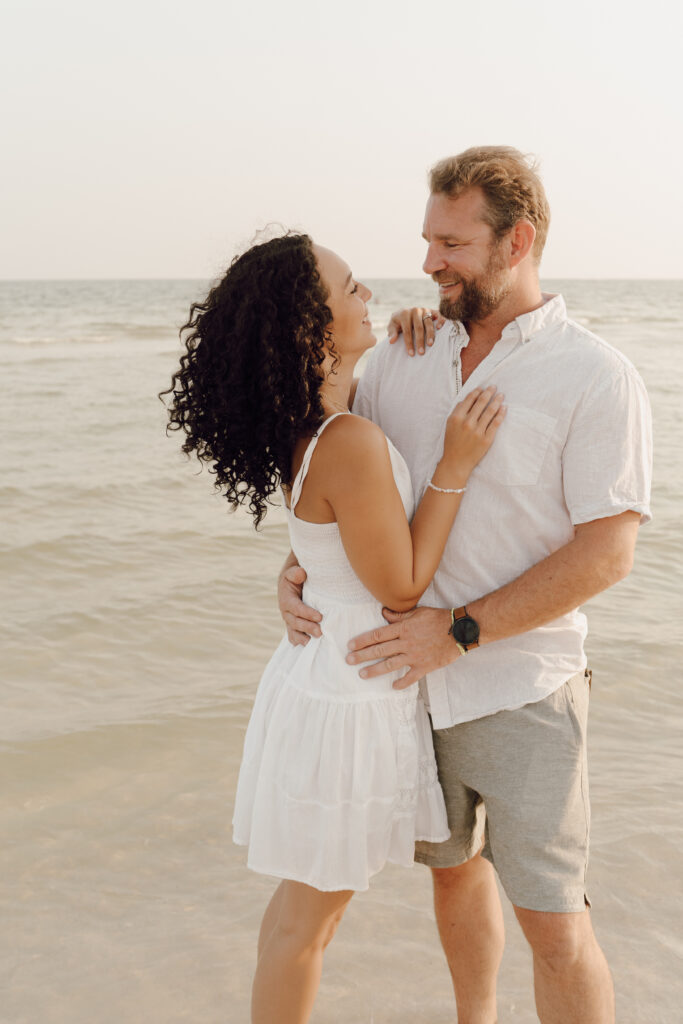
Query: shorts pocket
[(576, 710), (576, 690), (517, 454)]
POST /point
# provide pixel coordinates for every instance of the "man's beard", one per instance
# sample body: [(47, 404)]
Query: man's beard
[(481, 295)]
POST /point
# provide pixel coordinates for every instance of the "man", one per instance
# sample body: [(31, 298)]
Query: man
[(550, 519)]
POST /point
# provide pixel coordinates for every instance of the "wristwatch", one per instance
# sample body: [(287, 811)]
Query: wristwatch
[(464, 629)]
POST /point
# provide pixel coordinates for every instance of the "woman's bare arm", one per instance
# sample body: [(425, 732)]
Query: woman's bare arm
[(395, 560)]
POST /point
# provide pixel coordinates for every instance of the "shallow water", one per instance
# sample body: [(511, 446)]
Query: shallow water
[(138, 616)]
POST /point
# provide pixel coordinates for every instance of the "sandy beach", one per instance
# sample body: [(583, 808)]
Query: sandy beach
[(139, 616)]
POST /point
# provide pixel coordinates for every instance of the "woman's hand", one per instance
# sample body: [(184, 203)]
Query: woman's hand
[(418, 326), (470, 432)]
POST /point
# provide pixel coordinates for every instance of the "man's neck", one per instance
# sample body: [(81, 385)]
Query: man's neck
[(484, 334), (521, 300)]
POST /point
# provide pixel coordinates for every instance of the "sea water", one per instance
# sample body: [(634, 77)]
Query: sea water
[(137, 617)]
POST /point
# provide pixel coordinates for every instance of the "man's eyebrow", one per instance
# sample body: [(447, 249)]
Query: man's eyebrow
[(348, 280), (443, 238)]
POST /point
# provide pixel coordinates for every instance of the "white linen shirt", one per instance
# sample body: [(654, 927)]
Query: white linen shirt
[(575, 446)]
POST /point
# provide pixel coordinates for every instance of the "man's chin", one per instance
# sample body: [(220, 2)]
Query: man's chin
[(450, 310)]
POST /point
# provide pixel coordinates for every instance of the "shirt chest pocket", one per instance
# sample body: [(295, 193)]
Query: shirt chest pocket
[(519, 449)]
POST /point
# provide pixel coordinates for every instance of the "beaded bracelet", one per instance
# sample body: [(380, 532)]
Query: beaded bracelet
[(446, 490)]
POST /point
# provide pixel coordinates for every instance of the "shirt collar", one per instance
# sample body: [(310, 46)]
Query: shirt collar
[(525, 326)]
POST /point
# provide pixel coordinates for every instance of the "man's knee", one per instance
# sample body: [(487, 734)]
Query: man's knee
[(557, 940), (472, 872)]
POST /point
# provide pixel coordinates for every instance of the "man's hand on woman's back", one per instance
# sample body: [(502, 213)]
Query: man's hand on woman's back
[(300, 620)]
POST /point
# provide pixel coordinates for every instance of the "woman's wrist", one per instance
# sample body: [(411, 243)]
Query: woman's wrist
[(449, 477)]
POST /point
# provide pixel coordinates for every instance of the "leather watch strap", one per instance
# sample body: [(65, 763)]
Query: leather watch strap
[(461, 613)]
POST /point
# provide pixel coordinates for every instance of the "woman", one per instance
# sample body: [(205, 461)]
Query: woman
[(338, 774)]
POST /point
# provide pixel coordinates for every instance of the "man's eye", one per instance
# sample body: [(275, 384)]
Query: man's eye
[(354, 289)]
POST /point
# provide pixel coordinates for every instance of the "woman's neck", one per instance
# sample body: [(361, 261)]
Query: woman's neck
[(336, 389)]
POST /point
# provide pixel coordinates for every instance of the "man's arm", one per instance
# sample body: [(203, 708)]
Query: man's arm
[(600, 554), (300, 620)]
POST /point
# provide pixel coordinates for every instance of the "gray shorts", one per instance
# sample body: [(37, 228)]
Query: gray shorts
[(518, 782)]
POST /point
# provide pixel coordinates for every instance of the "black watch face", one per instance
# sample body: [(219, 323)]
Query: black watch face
[(466, 630)]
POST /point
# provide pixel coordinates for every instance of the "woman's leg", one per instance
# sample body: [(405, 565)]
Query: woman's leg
[(302, 921), (270, 917)]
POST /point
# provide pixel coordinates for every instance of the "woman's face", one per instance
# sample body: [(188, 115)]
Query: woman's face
[(350, 328)]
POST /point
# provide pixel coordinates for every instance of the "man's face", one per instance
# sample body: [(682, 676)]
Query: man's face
[(464, 258)]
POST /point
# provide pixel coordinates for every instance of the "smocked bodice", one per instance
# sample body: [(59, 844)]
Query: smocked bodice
[(318, 546)]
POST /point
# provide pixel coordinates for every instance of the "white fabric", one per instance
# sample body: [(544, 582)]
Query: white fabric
[(575, 446), (338, 775)]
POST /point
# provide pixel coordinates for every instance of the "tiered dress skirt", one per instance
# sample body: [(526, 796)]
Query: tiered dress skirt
[(338, 775)]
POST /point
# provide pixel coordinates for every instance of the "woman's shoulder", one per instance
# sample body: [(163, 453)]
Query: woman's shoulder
[(351, 429), (352, 441)]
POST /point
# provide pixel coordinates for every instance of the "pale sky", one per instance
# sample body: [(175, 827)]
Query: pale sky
[(152, 139)]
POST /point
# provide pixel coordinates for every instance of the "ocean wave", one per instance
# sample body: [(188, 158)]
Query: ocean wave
[(588, 319), (118, 332), (103, 334)]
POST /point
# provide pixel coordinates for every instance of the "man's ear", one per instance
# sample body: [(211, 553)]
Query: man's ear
[(522, 238)]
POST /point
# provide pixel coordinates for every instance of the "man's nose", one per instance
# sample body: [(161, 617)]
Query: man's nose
[(433, 262)]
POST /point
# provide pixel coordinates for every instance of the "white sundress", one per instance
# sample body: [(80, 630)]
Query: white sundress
[(338, 774)]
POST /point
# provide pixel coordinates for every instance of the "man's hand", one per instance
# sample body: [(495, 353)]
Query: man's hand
[(419, 638), (300, 620), (418, 325)]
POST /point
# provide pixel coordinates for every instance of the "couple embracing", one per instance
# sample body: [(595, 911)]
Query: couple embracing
[(496, 481)]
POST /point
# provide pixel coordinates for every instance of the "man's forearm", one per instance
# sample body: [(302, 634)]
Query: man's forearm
[(600, 554)]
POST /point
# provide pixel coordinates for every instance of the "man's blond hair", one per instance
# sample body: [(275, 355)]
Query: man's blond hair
[(509, 181)]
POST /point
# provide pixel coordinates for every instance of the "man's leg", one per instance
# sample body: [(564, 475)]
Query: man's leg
[(468, 912), (572, 981), (470, 922)]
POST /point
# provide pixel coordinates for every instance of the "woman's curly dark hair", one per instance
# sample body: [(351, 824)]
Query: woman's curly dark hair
[(248, 385)]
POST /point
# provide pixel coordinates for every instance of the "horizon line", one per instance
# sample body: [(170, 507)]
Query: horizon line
[(369, 277)]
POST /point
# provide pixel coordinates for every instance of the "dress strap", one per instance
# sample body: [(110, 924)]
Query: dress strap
[(306, 461)]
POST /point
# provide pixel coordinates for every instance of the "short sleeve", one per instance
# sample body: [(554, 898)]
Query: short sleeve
[(607, 458)]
